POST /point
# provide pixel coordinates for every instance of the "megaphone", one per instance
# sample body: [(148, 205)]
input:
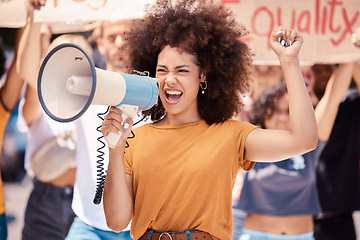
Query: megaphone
[(68, 83)]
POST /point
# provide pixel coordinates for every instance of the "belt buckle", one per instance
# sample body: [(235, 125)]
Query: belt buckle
[(163, 234)]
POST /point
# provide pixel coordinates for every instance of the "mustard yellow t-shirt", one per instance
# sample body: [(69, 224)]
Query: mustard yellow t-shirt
[(4, 117), (183, 176)]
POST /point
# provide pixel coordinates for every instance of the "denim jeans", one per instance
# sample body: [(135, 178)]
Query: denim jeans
[(3, 227), (48, 214), (82, 231), (247, 234), (238, 220)]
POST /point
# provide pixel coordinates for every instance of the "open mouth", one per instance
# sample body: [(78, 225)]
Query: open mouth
[(173, 96)]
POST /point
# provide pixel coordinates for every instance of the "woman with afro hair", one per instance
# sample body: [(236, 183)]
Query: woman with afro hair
[(174, 180)]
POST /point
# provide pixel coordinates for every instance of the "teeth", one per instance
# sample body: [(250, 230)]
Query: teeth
[(173, 92)]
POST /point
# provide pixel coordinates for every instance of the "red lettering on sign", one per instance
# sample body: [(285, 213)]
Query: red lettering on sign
[(271, 22), (317, 13), (323, 28), (333, 4), (306, 16), (89, 5), (348, 26), (97, 7), (323, 21)]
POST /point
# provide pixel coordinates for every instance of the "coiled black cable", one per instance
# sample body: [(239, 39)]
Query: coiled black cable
[(101, 173)]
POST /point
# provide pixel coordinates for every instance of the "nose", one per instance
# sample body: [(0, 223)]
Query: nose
[(170, 80), (119, 41)]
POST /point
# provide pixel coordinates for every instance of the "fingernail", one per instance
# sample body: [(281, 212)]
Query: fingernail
[(290, 43), (279, 39), (278, 32), (126, 125), (283, 42), (286, 44), (120, 132)]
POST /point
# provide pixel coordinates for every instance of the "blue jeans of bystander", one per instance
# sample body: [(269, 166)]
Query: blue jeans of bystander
[(82, 231), (48, 213), (3, 227), (247, 234)]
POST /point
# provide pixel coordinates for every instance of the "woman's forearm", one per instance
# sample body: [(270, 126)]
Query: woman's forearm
[(118, 194), (29, 54), (302, 118), (328, 106)]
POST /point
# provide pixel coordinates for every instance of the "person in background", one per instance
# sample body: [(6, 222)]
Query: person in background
[(309, 78), (108, 37), (10, 92), (322, 74), (263, 76), (89, 222), (338, 178), (280, 198), (168, 181), (48, 213), (50, 152), (315, 77)]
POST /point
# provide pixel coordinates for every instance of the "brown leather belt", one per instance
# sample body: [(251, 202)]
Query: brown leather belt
[(155, 235)]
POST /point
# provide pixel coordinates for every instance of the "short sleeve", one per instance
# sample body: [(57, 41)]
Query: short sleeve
[(243, 129), (247, 165)]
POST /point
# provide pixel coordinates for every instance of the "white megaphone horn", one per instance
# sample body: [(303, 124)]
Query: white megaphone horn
[(69, 83)]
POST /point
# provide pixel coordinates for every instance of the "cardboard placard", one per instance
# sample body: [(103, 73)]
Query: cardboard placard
[(326, 25)]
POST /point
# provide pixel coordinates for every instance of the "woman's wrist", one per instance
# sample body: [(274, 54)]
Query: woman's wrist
[(116, 148), (289, 60)]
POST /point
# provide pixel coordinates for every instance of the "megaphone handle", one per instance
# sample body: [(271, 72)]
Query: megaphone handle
[(129, 111), (112, 139)]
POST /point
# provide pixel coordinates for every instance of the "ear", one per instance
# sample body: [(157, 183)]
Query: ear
[(202, 76), (100, 46)]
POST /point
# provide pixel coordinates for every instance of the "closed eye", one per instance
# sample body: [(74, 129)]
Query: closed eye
[(160, 70)]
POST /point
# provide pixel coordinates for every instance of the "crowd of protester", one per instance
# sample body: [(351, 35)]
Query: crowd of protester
[(312, 195)]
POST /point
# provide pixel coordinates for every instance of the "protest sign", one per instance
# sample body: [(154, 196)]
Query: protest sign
[(326, 25), (12, 13)]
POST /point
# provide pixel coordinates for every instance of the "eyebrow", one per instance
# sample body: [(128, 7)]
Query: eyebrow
[(177, 67)]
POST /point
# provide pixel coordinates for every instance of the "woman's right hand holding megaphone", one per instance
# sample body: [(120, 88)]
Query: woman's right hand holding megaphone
[(116, 128)]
